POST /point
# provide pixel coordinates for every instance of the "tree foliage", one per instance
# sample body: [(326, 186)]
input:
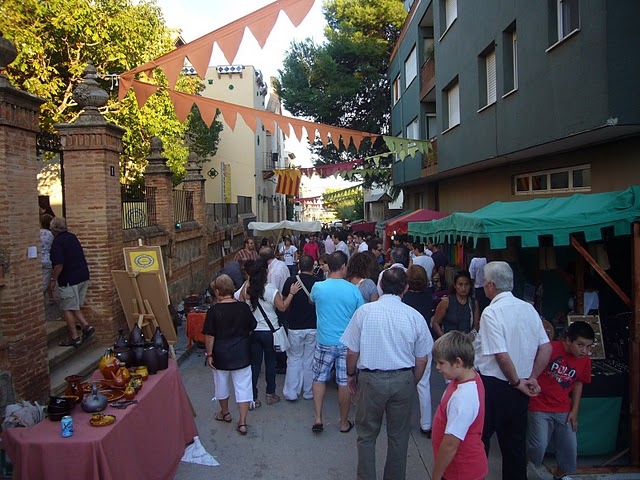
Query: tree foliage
[(343, 82), (55, 40), (351, 208)]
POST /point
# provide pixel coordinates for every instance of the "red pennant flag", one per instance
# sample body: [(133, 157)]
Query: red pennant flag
[(288, 182)]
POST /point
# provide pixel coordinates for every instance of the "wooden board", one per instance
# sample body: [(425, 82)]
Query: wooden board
[(127, 294), (147, 259), (597, 350), (151, 290)]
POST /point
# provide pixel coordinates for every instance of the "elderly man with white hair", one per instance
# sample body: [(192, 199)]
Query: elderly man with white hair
[(513, 349)]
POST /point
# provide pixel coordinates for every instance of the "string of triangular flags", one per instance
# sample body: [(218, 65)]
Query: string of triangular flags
[(342, 195), (305, 200)]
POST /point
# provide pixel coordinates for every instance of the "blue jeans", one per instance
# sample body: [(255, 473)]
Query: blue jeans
[(262, 343), (544, 426)]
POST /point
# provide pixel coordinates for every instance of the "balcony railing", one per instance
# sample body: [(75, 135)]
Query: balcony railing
[(138, 206), (427, 77), (182, 206)]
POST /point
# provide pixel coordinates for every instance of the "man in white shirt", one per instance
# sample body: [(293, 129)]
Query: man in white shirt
[(389, 343), (512, 350), (425, 261), (329, 246), (362, 245), (278, 271), (339, 238), (476, 270), (400, 257)]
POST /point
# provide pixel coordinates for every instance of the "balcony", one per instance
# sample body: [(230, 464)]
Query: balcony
[(270, 161), (430, 162), (427, 78)]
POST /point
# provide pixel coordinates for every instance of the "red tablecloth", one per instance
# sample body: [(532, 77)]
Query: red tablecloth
[(147, 440), (195, 322)]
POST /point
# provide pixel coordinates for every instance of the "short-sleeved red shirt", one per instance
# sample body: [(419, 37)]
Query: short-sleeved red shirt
[(312, 249), (558, 379)]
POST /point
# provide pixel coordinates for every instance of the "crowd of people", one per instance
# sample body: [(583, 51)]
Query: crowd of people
[(366, 319)]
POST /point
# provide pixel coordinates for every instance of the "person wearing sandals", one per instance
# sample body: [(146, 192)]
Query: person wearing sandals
[(71, 274), (227, 329), (263, 298)]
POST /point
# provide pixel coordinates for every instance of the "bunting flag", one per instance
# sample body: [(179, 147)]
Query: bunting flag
[(305, 200), (288, 181), (325, 171), (228, 38), (307, 172), (404, 147), (182, 103), (342, 195)]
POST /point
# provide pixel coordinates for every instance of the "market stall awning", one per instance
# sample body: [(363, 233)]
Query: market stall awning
[(366, 227), (556, 217), (284, 227), (380, 225), (399, 226)]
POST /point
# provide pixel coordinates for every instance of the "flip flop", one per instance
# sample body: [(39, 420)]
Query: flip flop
[(317, 427), (348, 429), (219, 416), (240, 430)]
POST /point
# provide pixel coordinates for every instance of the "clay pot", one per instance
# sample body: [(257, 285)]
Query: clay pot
[(136, 337), (143, 372), (74, 387), (118, 379), (129, 392), (108, 364), (137, 350), (121, 342), (159, 340), (125, 356), (94, 402), (150, 359), (163, 358)]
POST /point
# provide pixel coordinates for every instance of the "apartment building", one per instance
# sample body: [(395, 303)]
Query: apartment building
[(521, 100)]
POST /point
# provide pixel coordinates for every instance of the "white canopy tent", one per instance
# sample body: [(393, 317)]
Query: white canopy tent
[(285, 227)]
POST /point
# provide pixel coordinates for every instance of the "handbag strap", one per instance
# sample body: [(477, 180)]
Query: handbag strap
[(303, 287), (266, 319)]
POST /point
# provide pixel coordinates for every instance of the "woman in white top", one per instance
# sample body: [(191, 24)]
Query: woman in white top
[(46, 239), (264, 298), (290, 255)]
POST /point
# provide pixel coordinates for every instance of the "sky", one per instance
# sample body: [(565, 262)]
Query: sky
[(198, 17)]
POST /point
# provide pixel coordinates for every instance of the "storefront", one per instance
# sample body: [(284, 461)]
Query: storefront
[(556, 241)]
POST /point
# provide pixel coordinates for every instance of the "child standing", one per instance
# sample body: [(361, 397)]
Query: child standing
[(457, 426), (554, 413)]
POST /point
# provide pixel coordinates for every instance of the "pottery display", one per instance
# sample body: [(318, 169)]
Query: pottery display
[(124, 355), (121, 342), (159, 340), (150, 359), (136, 337), (138, 351), (74, 386), (163, 358), (143, 372), (94, 402), (130, 392), (108, 364), (117, 378), (67, 401)]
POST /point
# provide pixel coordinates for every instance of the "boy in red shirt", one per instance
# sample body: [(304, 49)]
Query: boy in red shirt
[(554, 412), (457, 425)]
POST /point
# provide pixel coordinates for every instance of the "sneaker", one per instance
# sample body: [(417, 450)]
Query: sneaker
[(564, 477), (87, 332)]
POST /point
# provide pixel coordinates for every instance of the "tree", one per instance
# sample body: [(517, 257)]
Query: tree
[(56, 38), (351, 208), (344, 81)]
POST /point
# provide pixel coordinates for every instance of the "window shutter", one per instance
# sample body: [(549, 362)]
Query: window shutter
[(491, 77), (454, 105)]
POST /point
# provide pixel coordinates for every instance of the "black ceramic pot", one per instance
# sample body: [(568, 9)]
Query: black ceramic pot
[(136, 337), (163, 358), (121, 342), (125, 355), (159, 340), (150, 359), (138, 351)]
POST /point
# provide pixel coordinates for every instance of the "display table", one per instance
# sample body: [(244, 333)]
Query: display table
[(146, 441), (195, 322)]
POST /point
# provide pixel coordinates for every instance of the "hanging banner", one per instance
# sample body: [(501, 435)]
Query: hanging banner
[(288, 181)]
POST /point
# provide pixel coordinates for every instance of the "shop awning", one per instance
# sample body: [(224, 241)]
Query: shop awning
[(557, 217), (366, 227), (380, 225), (400, 224)]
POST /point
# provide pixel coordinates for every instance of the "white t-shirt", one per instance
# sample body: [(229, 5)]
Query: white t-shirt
[(513, 326), (329, 246), (363, 247), (288, 254), (462, 409), (278, 273), (269, 308), (476, 270), (427, 263)]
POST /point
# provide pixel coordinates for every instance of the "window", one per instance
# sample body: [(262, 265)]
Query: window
[(487, 73), (452, 105), (410, 68), (568, 17), (510, 59), (572, 179), (395, 90), (413, 130), (431, 126), (450, 12)]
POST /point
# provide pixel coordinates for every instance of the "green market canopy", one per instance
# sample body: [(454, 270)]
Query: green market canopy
[(556, 217)]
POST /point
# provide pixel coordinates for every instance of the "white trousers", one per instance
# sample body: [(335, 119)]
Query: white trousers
[(424, 396), (299, 364)]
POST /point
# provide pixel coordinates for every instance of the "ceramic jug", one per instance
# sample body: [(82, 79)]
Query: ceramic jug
[(108, 364), (159, 340), (121, 342), (125, 356), (94, 402), (136, 337), (150, 359), (74, 387)]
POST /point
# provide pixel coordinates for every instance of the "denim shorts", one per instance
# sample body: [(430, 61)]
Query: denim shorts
[(324, 358)]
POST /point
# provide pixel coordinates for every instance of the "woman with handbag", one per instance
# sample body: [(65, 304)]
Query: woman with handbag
[(458, 311), (227, 329), (263, 298)]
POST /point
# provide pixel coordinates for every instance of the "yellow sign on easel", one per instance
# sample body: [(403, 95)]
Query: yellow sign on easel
[(146, 258)]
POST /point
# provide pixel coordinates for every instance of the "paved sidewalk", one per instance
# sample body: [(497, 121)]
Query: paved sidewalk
[(281, 445)]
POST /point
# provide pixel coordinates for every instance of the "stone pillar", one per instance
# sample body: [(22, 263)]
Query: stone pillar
[(92, 148), (194, 182), (23, 337)]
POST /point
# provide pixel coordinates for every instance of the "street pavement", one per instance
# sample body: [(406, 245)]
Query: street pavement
[(281, 445)]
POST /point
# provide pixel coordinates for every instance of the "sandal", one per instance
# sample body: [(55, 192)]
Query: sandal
[(272, 398), (255, 404), (242, 429), (71, 342), (88, 331), (222, 417)]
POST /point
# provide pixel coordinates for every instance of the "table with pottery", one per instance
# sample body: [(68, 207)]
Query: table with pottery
[(131, 420)]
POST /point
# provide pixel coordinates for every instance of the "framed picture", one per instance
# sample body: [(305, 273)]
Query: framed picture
[(147, 258)]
